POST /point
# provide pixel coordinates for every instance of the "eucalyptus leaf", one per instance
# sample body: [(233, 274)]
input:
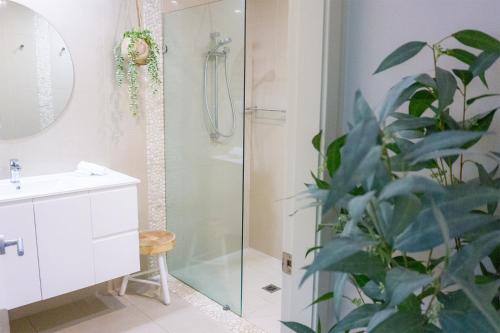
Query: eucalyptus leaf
[(400, 55), (483, 62), (465, 76), (406, 209), (478, 40), (470, 101), (323, 298), (337, 249), (459, 316), (362, 111), (340, 280), (423, 236), (297, 327), (401, 321), (401, 282), (447, 87), (462, 55), (408, 185), (359, 317), (441, 140), (400, 93)]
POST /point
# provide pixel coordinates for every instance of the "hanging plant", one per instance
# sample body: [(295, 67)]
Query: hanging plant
[(138, 48)]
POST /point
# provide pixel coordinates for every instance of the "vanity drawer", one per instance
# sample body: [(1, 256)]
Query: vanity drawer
[(116, 256), (114, 211)]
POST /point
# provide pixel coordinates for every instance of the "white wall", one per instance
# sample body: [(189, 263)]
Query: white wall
[(96, 125)]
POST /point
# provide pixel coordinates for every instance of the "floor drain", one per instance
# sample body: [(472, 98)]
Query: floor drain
[(271, 288)]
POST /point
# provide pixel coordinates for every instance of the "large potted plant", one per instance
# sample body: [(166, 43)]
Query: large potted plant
[(137, 48), (417, 241)]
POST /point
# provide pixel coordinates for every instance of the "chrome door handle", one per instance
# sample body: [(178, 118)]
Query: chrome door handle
[(4, 243)]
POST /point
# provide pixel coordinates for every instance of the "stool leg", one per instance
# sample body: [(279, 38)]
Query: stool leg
[(162, 265), (123, 288)]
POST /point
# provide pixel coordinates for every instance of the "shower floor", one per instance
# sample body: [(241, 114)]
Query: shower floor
[(260, 307)]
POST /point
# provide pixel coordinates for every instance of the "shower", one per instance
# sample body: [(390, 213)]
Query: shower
[(218, 52)]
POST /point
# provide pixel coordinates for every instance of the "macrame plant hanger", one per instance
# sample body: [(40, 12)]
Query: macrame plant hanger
[(139, 13)]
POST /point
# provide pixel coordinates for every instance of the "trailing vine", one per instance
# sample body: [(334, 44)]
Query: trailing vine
[(126, 67)]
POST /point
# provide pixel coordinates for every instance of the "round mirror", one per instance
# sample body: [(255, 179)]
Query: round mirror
[(36, 72)]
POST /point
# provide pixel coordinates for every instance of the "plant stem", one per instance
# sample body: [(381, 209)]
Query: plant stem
[(463, 124), (429, 258)]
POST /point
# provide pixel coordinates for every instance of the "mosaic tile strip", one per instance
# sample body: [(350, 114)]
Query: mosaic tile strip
[(155, 136), (235, 323)]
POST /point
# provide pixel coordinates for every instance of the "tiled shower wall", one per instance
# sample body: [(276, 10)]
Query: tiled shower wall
[(266, 84)]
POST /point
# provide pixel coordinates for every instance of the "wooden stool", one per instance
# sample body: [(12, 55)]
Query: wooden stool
[(153, 243)]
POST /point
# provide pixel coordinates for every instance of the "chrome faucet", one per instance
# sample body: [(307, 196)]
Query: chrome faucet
[(15, 171)]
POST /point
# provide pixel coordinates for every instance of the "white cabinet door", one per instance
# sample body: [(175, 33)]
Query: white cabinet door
[(64, 234), (19, 279), (116, 256), (114, 211)]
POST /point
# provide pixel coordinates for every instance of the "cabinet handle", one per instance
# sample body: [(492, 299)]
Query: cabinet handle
[(6, 243)]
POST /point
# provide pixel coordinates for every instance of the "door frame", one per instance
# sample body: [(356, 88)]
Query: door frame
[(314, 100)]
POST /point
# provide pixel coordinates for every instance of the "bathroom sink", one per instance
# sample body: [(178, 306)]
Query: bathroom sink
[(55, 184)]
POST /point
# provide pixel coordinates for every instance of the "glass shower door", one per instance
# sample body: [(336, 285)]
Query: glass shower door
[(204, 115)]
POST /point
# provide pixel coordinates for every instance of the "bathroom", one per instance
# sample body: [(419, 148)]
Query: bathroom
[(155, 155)]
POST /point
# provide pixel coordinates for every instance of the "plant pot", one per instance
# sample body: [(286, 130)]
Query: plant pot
[(141, 48)]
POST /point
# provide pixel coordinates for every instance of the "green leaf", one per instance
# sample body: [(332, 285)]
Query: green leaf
[(440, 141), (334, 251), (447, 86), (478, 123), (320, 183), (400, 55), (458, 315), (472, 100), (484, 61), (401, 321), (401, 282), (410, 304), (312, 249), (410, 263), (421, 101), (323, 298), (410, 184), (316, 141), (359, 317), (462, 55), (464, 75), (333, 156), (297, 327), (478, 40)]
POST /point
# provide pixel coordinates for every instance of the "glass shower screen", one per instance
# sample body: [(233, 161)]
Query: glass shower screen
[(204, 115)]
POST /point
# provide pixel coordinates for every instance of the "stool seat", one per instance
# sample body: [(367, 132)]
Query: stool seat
[(156, 241)]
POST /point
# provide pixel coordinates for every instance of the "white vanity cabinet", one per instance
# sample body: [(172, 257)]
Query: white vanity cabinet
[(19, 279), (74, 238)]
